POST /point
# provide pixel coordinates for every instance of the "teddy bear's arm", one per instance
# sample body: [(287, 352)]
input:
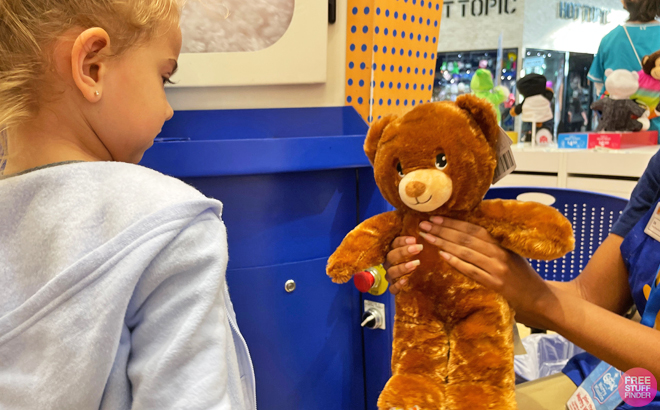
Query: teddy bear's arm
[(530, 229), (501, 94), (365, 246), (635, 108), (598, 105)]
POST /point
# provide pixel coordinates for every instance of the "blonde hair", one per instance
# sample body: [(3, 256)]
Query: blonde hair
[(29, 27)]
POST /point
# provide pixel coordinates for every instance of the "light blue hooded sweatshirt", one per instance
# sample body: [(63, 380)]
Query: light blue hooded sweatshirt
[(113, 294)]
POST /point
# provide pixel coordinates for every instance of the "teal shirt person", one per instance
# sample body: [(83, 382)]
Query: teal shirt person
[(617, 51)]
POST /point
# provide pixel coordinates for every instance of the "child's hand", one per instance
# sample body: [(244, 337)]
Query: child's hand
[(400, 261)]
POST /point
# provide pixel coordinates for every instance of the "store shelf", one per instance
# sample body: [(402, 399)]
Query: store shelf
[(529, 180), (627, 163), (613, 172)]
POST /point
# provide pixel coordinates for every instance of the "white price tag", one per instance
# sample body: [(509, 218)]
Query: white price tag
[(506, 164), (653, 227)]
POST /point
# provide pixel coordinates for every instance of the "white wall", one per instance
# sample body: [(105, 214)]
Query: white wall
[(535, 24), (279, 96), (458, 33), (544, 29)]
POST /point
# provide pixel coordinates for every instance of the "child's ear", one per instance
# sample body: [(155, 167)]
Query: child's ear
[(87, 62), (374, 135)]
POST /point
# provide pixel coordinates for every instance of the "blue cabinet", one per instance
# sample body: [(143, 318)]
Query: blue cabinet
[(293, 183)]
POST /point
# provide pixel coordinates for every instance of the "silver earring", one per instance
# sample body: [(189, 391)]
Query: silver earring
[(97, 93)]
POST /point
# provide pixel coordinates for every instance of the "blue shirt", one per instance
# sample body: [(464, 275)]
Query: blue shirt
[(616, 52), (643, 197), (641, 256)]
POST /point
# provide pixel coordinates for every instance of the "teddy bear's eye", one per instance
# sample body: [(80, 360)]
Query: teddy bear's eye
[(399, 169), (441, 161)]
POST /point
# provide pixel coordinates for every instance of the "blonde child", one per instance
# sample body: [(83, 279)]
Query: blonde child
[(112, 276)]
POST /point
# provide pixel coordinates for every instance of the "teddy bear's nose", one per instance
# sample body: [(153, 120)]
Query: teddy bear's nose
[(415, 189)]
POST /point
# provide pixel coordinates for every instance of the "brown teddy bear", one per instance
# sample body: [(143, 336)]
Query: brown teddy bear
[(453, 338)]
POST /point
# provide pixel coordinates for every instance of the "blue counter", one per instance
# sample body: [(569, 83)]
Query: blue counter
[(293, 183)]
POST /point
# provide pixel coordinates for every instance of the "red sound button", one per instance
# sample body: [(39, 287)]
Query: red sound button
[(364, 281)]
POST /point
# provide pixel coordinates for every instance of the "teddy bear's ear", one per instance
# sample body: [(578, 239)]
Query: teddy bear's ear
[(374, 134), (484, 115), (608, 72)]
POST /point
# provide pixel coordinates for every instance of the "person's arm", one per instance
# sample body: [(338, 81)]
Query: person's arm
[(619, 341), (182, 349), (612, 338), (604, 281), (599, 87)]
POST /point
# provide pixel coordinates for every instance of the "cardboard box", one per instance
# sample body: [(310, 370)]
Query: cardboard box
[(612, 140)]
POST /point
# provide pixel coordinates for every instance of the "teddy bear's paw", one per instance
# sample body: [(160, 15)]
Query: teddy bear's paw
[(340, 275), (339, 272)]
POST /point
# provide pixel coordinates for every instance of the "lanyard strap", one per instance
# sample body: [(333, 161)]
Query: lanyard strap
[(653, 304), (633, 47)]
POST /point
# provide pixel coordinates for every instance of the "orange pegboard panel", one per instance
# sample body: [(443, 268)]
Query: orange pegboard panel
[(391, 50)]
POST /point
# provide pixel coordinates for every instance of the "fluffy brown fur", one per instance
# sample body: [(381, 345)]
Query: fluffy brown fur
[(453, 338)]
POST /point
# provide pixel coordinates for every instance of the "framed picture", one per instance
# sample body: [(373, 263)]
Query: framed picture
[(256, 42)]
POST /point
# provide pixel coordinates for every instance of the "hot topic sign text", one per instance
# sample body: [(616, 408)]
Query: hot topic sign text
[(478, 8), (577, 11)]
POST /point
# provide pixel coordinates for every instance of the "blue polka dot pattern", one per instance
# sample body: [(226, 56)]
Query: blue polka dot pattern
[(392, 76)]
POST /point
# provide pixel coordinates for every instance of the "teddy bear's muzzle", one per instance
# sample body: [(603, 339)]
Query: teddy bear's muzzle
[(425, 190)]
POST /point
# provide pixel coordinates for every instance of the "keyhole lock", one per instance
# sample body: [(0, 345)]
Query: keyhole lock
[(290, 285), (374, 315)]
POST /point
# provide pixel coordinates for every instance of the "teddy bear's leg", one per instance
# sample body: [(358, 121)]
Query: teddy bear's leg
[(419, 367), (480, 371)]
